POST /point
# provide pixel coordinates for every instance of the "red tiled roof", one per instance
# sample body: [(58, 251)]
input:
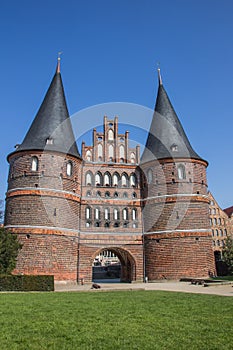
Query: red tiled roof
[(228, 211)]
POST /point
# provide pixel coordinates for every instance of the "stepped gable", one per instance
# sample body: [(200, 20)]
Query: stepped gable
[(166, 138), (51, 129)]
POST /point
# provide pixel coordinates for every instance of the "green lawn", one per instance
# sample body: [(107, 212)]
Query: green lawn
[(224, 278), (115, 320)]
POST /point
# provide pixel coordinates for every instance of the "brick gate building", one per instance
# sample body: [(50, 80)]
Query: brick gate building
[(67, 208)]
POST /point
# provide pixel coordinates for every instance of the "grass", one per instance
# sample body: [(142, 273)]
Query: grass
[(224, 278), (115, 320)]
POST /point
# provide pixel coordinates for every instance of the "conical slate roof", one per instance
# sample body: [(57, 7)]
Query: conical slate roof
[(51, 129), (166, 138)]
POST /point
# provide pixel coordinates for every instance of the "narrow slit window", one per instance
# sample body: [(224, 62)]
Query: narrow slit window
[(69, 168), (35, 164)]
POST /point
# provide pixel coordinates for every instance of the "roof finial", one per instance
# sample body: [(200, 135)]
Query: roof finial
[(59, 62), (159, 74)]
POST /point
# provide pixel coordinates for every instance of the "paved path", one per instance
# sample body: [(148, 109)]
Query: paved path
[(187, 287)]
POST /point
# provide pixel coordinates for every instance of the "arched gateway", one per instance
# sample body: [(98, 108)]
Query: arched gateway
[(119, 264), (114, 263)]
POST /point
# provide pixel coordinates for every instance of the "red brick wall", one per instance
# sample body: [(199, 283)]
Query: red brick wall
[(184, 255), (48, 254)]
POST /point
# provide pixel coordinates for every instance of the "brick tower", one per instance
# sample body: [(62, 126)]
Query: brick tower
[(177, 237), (43, 197)]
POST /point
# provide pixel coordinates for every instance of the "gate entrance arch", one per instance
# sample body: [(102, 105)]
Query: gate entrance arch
[(118, 263)]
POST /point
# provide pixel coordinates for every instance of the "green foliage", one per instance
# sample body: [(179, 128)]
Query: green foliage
[(125, 320), (9, 248), (227, 253), (1, 211), (27, 283)]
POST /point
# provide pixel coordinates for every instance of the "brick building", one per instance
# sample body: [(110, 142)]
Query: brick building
[(67, 208), (220, 224)]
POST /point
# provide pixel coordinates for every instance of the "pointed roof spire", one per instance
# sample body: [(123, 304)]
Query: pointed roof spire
[(59, 62), (166, 138), (51, 128), (159, 76)]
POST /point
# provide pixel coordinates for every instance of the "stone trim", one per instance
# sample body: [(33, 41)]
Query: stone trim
[(42, 192)]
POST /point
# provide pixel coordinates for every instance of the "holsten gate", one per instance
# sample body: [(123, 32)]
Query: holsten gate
[(66, 207)]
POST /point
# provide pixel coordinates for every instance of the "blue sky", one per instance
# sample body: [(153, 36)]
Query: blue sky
[(110, 50)]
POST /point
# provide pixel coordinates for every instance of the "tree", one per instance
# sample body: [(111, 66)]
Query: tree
[(227, 253), (9, 248)]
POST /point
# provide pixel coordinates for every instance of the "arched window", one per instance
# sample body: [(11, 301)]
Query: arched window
[(107, 179), (69, 168), (98, 194), (134, 195), (132, 158), (107, 195), (134, 214), (133, 180), (100, 151), (98, 179), (125, 195), (116, 215), (124, 180), (181, 172), (89, 177), (88, 194), (88, 212), (115, 179), (88, 155), (110, 152), (35, 164), (216, 232), (149, 176), (110, 134), (125, 214), (122, 151), (97, 213), (106, 214)]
